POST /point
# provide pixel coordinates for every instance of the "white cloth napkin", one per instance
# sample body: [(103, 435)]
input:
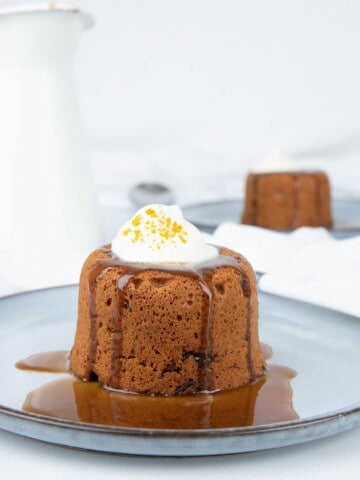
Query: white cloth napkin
[(307, 264)]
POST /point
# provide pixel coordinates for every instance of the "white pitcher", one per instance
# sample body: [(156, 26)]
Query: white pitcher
[(47, 201)]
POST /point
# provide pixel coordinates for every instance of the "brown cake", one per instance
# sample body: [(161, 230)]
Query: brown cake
[(287, 200), (167, 330)]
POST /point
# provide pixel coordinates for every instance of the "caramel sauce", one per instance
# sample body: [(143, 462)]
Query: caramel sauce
[(202, 273), (254, 200), (318, 199), (296, 195), (51, 362), (267, 400)]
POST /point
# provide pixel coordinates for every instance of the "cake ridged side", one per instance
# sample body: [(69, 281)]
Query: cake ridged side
[(149, 329), (284, 201)]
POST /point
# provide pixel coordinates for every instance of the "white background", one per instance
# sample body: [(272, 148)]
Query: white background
[(201, 88), (190, 92)]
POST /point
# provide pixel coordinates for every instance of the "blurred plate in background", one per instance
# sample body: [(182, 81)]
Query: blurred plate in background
[(208, 216)]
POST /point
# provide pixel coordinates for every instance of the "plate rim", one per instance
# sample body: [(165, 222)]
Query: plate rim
[(350, 413)]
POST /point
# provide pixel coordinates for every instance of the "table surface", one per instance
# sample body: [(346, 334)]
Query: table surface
[(332, 457)]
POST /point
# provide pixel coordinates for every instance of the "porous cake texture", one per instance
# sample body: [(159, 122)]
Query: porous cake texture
[(167, 330), (287, 200)]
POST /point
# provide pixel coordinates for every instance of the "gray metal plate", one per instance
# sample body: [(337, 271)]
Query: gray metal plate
[(320, 344), (208, 216)]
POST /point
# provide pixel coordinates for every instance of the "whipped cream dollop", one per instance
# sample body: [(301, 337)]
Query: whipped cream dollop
[(274, 160), (159, 234)]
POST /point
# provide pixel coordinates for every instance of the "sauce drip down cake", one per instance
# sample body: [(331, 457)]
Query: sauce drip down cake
[(160, 312)]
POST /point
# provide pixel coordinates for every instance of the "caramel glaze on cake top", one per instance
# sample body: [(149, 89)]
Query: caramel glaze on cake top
[(287, 200), (167, 330)]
